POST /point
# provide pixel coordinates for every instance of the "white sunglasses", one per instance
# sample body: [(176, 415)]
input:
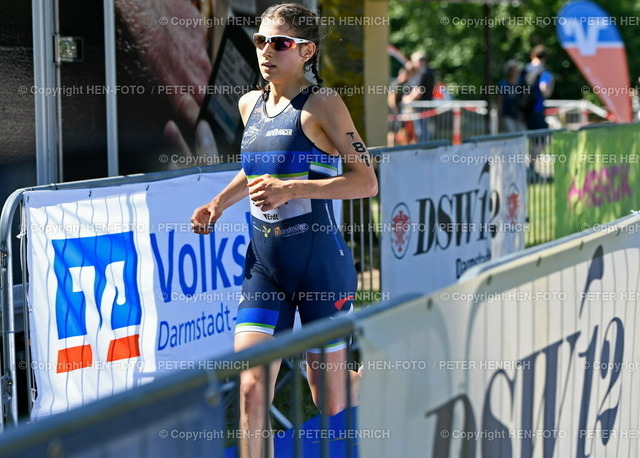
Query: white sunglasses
[(279, 42)]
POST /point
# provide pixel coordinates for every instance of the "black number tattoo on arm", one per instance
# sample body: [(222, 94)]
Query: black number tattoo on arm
[(360, 148)]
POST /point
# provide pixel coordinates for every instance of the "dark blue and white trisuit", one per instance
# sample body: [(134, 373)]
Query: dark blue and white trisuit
[(297, 257)]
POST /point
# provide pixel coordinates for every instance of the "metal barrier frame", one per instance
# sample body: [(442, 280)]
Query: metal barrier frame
[(50, 431), (417, 111)]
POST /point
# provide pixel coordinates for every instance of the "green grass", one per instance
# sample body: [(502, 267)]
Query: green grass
[(541, 214)]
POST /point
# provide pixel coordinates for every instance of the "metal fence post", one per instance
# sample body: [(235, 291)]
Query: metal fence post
[(8, 380)]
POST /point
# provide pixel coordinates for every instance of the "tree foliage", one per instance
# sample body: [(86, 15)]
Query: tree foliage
[(342, 59), (453, 36)]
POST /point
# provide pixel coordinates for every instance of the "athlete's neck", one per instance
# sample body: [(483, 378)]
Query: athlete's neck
[(287, 89)]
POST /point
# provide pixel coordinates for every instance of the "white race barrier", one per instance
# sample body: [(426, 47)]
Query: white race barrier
[(121, 289), (532, 355), (447, 209)]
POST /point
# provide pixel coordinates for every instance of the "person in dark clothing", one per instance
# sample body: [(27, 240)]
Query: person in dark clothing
[(508, 112), (422, 84), (540, 81), (536, 79)]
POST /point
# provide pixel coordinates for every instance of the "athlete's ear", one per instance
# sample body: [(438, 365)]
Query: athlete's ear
[(308, 50)]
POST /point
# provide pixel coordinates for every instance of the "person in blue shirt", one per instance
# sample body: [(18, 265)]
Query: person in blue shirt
[(295, 134), (541, 81)]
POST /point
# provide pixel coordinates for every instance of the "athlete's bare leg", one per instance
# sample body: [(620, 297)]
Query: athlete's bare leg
[(252, 399)]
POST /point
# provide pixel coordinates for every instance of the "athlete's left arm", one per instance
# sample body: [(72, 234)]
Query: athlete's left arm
[(330, 127)]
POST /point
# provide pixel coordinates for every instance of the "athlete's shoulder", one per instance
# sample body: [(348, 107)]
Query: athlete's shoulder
[(324, 94), (247, 102), (249, 99), (325, 101)]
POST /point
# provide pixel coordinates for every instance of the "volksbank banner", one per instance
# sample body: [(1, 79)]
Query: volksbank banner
[(122, 290), (532, 355), (445, 210), (596, 184)]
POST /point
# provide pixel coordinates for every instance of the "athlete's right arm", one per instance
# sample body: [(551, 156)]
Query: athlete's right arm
[(205, 217)]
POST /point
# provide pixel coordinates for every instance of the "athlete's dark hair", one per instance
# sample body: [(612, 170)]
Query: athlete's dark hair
[(304, 23)]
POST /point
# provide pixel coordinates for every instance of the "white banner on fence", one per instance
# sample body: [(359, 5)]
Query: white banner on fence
[(536, 355), (445, 210), (121, 289)]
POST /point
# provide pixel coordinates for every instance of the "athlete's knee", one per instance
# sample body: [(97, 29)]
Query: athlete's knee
[(335, 410), (252, 388), (333, 405)]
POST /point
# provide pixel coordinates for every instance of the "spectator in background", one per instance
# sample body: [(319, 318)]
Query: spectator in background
[(538, 82), (400, 132), (422, 84), (536, 78), (508, 112)]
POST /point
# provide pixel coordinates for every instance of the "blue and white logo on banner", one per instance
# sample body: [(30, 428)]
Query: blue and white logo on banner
[(96, 274)]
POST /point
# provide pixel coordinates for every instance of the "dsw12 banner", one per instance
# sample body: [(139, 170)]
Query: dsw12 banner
[(447, 209), (533, 355)]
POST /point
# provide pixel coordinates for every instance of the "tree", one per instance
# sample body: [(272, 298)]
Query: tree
[(452, 34), (342, 60)]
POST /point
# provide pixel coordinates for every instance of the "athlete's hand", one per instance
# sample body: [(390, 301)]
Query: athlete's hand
[(267, 192), (204, 218)]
